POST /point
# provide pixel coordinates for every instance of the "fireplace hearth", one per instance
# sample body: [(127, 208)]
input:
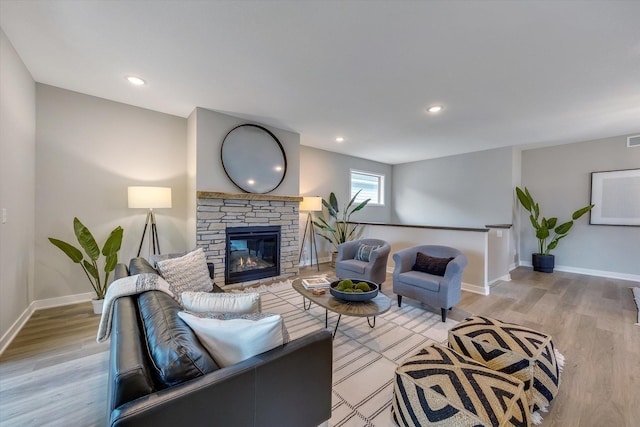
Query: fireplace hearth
[(252, 253)]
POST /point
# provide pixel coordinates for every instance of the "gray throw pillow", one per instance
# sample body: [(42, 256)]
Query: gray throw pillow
[(155, 258), (187, 273)]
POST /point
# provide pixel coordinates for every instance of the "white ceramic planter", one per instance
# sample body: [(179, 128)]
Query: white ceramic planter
[(97, 305)]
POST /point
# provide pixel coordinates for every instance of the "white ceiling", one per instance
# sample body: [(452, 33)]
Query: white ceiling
[(507, 72)]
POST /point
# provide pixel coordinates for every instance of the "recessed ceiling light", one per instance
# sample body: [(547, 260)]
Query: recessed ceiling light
[(136, 81), (339, 139), (435, 109)]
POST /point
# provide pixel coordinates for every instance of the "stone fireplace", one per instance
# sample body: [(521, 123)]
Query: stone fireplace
[(245, 212)]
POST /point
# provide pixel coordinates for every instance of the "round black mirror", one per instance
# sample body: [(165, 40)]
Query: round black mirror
[(253, 159)]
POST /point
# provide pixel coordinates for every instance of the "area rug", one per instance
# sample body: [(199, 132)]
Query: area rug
[(364, 359)]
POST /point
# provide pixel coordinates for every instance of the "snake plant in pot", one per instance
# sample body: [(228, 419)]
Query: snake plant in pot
[(342, 229), (92, 250), (542, 260)]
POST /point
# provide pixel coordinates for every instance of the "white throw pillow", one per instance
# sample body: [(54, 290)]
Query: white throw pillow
[(231, 338), (187, 273), (200, 302)]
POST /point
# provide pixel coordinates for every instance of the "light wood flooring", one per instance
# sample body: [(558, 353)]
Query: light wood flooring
[(54, 373)]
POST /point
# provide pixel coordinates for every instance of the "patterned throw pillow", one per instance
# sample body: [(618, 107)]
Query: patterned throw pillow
[(232, 337), (431, 265), (364, 252), (156, 258), (187, 273)]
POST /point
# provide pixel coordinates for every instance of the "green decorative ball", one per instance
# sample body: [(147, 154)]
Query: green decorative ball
[(362, 286)]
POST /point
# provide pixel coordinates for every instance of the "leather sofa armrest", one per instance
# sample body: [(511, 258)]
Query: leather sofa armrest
[(120, 271), (140, 265), (259, 391)]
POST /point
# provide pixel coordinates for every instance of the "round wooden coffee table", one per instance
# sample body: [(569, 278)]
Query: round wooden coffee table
[(371, 308)]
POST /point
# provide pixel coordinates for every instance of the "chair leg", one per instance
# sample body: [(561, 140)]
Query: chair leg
[(399, 300), (444, 314)]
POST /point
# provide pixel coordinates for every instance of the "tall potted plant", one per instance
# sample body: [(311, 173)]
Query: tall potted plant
[(342, 229), (90, 267), (542, 260)]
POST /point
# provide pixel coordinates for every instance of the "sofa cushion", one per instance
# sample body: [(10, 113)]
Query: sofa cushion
[(364, 252), (421, 280), (431, 265), (200, 302), (233, 337), (175, 351), (187, 273), (353, 265)]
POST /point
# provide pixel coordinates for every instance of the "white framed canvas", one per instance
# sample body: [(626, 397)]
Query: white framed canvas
[(616, 196)]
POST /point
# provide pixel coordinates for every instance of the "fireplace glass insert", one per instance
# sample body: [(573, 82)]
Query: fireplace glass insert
[(252, 253)]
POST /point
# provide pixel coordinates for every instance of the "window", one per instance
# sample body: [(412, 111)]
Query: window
[(371, 186)]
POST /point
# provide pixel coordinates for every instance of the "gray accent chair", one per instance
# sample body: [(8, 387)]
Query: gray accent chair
[(375, 270), (435, 291)]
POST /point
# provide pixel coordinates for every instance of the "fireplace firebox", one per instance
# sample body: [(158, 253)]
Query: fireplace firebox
[(252, 253)]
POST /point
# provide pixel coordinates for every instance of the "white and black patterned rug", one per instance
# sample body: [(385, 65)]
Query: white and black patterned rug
[(364, 359)]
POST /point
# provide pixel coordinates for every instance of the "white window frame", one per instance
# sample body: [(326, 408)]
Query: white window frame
[(379, 176)]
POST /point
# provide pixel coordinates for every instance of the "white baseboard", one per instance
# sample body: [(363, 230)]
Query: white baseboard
[(482, 290), (307, 263), (15, 328), (60, 301), (591, 272), (38, 305), (505, 278)]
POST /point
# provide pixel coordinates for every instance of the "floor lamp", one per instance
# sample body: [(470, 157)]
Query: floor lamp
[(310, 204), (149, 198)]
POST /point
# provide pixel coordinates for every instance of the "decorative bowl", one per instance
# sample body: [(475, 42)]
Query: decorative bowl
[(352, 296)]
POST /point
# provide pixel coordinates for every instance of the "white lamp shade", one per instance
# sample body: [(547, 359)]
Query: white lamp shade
[(149, 197), (312, 204)]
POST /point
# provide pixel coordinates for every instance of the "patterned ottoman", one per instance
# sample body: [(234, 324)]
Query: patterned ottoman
[(515, 350), (439, 387)]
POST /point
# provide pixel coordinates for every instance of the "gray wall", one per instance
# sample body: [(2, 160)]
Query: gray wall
[(323, 172), (211, 128), (205, 133), (88, 151), (559, 179), (17, 184), (467, 190)]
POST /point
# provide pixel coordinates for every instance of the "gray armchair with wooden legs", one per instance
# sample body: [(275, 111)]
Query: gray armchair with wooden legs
[(430, 274)]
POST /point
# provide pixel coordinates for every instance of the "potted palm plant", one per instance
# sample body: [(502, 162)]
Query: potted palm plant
[(542, 260), (342, 230), (88, 243)]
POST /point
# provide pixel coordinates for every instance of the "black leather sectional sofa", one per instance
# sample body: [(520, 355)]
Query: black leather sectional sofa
[(160, 374)]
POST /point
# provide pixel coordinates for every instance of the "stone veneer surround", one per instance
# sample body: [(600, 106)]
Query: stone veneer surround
[(217, 211)]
